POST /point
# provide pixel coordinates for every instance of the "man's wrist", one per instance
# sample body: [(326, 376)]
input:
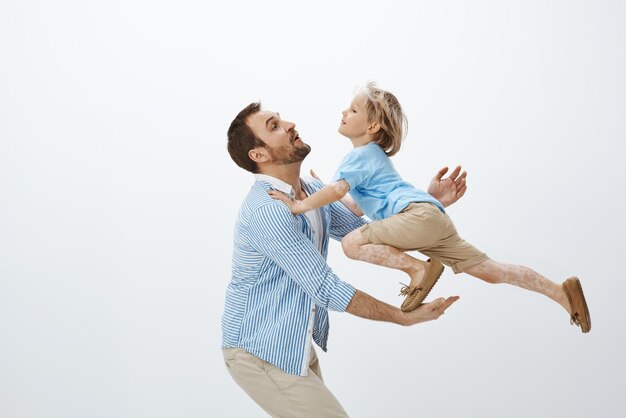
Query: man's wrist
[(365, 306), (402, 318)]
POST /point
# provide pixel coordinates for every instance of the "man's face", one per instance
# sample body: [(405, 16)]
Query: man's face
[(283, 144)]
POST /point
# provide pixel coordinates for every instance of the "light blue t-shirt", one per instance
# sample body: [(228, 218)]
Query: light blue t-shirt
[(375, 185)]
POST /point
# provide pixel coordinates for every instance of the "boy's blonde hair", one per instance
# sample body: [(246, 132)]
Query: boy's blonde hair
[(384, 108)]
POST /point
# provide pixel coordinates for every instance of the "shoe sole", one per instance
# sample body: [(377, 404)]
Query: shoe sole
[(572, 286), (415, 298)]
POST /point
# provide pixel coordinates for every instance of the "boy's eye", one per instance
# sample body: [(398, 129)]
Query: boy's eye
[(353, 110)]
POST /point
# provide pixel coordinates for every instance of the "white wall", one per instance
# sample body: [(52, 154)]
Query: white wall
[(117, 198)]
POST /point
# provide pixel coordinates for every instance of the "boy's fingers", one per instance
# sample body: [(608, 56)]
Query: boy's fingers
[(440, 173), (461, 177), (455, 172), (314, 175)]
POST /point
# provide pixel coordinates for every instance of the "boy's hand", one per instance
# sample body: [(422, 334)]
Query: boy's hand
[(448, 190), (315, 176), (292, 204)]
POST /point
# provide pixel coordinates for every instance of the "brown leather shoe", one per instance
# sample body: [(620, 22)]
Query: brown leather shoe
[(416, 295), (580, 312)]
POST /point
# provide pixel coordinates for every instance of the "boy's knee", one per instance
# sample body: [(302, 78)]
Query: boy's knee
[(349, 246)]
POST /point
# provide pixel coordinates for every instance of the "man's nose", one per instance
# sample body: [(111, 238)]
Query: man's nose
[(288, 126)]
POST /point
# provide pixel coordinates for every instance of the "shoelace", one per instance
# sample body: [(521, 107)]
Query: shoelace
[(407, 290)]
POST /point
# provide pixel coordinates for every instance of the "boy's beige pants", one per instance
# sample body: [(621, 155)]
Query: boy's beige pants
[(281, 394)]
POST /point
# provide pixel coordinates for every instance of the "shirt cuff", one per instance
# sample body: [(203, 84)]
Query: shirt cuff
[(342, 296)]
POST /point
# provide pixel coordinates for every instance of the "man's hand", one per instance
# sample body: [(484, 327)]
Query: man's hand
[(448, 190), (428, 311), (365, 306)]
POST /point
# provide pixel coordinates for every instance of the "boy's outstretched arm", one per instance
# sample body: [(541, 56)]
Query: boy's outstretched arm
[(330, 193), (347, 200)]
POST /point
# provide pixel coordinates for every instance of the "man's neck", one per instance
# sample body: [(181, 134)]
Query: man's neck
[(289, 173)]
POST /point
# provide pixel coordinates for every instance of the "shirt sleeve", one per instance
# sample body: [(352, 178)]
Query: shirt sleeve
[(343, 221), (352, 169), (274, 232)]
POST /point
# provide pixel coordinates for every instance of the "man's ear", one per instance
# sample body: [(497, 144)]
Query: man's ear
[(258, 155), (373, 128)]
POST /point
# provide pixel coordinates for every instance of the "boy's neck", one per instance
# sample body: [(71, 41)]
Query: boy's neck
[(360, 141)]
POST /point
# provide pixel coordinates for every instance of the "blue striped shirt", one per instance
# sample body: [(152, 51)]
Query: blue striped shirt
[(281, 286)]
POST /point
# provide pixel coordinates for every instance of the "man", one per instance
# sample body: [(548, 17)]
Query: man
[(282, 288)]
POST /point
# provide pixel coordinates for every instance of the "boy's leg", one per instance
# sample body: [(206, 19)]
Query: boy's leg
[(356, 246), (383, 243), (281, 394), (464, 257), (521, 276), (423, 275)]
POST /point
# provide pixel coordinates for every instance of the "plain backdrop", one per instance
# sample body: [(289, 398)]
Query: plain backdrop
[(118, 198)]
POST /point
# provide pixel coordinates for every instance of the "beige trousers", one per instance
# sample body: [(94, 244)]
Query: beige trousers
[(281, 394), (423, 227)]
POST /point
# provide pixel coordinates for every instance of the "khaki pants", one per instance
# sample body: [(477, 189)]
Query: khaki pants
[(423, 227), (281, 394)]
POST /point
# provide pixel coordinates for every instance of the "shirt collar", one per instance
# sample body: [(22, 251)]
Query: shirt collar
[(275, 183)]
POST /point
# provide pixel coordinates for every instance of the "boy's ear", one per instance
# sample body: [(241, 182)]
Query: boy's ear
[(373, 128), (258, 155)]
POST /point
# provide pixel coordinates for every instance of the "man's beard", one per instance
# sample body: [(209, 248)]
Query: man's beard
[(289, 154)]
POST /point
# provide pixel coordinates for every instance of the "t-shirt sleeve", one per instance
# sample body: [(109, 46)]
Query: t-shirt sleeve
[(352, 169)]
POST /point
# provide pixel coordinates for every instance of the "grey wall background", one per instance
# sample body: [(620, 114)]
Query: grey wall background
[(117, 198)]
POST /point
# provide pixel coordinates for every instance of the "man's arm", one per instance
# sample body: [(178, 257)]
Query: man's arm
[(365, 306), (275, 233)]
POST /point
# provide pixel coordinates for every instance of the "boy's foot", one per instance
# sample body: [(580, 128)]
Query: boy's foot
[(416, 295), (580, 312)]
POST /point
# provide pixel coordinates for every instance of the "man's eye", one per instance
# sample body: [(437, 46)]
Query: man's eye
[(353, 110), (274, 127)]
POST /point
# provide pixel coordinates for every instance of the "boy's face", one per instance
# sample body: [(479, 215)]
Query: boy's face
[(354, 122)]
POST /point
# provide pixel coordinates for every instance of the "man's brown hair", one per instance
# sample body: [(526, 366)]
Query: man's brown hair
[(241, 139)]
